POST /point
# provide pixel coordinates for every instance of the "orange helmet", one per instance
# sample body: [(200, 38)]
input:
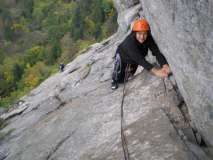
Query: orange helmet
[(140, 25)]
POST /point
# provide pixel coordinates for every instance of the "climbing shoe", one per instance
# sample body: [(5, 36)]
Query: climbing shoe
[(114, 85)]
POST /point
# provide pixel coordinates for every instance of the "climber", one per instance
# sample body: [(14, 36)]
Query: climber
[(61, 67), (133, 51)]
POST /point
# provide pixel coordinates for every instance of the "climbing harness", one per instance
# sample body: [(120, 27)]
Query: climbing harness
[(123, 138), (117, 67)]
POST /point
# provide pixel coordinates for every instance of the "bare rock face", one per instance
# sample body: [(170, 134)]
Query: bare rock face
[(122, 5), (183, 30), (127, 11), (74, 115)]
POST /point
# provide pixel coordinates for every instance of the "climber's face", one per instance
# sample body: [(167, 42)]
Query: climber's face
[(141, 36)]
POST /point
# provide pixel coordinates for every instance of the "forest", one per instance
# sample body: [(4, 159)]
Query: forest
[(37, 35)]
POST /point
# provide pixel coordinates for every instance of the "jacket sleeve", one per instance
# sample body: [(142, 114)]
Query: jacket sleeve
[(139, 59), (156, 52)]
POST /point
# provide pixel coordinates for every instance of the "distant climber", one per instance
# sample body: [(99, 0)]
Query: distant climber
[(133, 51), (61, 67)]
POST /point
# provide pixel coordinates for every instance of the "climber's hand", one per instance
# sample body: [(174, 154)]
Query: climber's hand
[(159, 72), (166, 68)]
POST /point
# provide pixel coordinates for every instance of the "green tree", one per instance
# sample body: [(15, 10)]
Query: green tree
[(8, 79), (27, 8), (55, 32), (34, 54), (35, 75), (97, 12), (90, 27), (8, 32), (56, 51), (18, 71), (2, 56), (77, 26)]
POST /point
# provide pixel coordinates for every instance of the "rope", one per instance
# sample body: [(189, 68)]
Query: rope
[(164, 84), (123, 138)]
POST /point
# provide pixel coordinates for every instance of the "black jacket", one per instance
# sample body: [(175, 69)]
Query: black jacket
[(133, 52)]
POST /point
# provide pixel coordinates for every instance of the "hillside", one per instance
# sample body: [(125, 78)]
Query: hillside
[(36, 36)]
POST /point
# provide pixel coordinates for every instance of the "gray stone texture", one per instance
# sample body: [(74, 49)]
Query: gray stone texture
[(183, 31), (128, 10), (74, 115)]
